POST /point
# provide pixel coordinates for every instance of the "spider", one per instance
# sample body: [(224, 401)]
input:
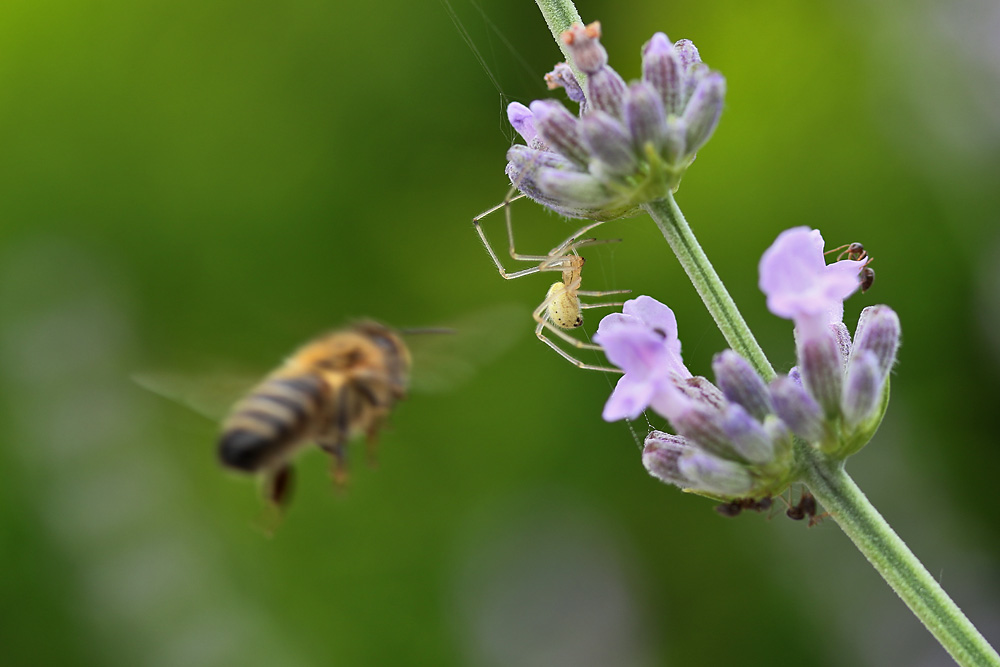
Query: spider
[(561, 308)]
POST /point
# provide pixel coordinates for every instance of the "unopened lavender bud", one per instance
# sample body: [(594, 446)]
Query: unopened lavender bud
[(607, 140), (560, 129), (720, 477), (569, 192), (675, 140), (781, 437), (741, 384), (687, 53), (644, 117), (701, 115), (660, 456), (662, 68), (522, 120), (584, 45), (822, 370), (692, 77), (878, 331), (703, 425), (748, 436), (562, 76), (843, 338), (797, 409), (526, 164), (863, 388), (700, 390), (576, 190), (606, 91), (525, 161)]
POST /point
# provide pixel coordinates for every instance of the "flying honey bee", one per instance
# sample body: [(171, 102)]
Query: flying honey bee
[(856, 251), (561, 310), (336, 387)]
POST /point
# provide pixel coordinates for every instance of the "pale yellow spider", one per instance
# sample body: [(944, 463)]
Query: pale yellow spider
[(561, 308)]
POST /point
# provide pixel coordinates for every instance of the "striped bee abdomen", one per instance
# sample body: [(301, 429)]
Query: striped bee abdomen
[(264, 427)]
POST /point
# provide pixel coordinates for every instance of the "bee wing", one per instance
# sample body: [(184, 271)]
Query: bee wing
[(445, 357), (211, 395)]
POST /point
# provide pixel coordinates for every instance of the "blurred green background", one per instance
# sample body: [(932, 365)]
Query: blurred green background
[(187, 186)]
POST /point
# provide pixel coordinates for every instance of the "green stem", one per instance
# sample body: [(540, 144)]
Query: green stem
[(675, 229), (559, 16), (849, 507)]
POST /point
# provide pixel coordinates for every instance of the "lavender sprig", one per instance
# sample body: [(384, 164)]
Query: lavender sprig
[(838, 385)]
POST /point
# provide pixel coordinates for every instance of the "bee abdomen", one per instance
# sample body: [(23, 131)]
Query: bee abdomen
[(266, 423), (244, 450)]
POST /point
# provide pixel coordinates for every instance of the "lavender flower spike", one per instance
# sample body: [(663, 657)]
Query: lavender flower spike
[(638, 140)]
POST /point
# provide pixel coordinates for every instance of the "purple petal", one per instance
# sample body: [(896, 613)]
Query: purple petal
[(629, 398), (631, 345), (560, 129), (653, 314), (799, 284), (522, 120), (649, 355), (668, 401)]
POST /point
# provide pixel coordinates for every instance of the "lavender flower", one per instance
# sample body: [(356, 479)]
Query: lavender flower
[(734, 437), (798, 282), (642, 341), (631, 143)]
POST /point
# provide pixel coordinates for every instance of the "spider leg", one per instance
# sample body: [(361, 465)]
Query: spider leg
[(546, 262), (540, 332), (602, 293), (565, 245), (544, 323)]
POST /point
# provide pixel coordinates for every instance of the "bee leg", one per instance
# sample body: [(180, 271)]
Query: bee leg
[(335, 436), (371, 442), (278, 487), (338, 467)]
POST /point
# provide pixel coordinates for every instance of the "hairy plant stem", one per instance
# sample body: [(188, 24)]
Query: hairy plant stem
[(559, 16), (854, 513), (675, 230)]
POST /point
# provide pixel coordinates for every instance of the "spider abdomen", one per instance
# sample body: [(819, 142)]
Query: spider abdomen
[(564, 308)]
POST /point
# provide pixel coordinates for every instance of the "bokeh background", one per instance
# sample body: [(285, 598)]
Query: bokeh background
[(191, 186)]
